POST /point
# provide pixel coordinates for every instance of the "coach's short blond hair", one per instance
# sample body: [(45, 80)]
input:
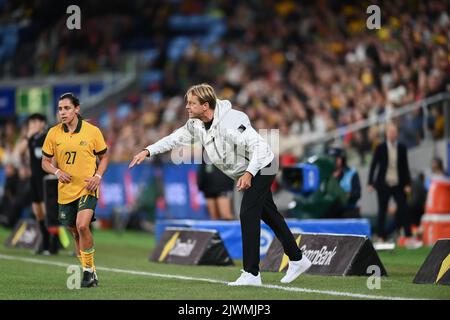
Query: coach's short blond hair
[(205, 93)]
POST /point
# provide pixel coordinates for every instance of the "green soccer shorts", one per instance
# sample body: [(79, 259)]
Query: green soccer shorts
[(67, 213)]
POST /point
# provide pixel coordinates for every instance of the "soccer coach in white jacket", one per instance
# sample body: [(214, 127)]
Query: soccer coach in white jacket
[(235, 148)]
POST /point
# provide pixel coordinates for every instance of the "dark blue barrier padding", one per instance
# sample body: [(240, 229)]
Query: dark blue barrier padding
[(230, 231)]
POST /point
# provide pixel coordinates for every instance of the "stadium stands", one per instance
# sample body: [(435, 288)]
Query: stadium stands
[(304, 75)]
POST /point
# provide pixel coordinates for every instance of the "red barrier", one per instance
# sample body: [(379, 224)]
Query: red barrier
[(435, 227), (438, 198)]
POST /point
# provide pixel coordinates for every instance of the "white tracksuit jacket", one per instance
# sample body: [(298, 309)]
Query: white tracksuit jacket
[(231, 143)]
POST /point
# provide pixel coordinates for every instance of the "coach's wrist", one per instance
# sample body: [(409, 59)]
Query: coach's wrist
[(56, 172), (98, 175), (147, 153)]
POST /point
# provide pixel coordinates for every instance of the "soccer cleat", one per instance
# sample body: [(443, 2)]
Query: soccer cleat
[(413, 243), (42, 252), (295, 269), (54, 244), (96, 278), (89, 279), (247, 279)]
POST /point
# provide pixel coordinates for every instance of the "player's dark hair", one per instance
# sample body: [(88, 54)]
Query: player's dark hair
[(73, 98), (439, 163), (338, 152), (37, 116)]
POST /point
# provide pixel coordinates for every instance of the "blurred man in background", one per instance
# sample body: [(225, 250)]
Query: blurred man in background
[(349, 181), (437, 168), (417, 200), (37, 131), (389, 174), (217, 188), (9, 206)]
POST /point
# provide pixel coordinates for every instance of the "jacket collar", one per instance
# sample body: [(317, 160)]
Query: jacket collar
[(77, 129), (222, 108)]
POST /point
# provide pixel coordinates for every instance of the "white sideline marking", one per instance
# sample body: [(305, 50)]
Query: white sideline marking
[(170, 276)]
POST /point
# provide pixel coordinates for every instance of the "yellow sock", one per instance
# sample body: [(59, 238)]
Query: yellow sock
[(88, 259), (80, 257)]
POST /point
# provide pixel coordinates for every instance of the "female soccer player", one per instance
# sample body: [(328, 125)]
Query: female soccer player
[(75, 144)]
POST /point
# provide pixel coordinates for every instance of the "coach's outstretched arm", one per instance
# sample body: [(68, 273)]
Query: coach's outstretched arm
[(180, 137)]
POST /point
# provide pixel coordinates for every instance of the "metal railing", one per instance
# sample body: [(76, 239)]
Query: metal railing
[(118, 82), (312, 143), (111, 82)]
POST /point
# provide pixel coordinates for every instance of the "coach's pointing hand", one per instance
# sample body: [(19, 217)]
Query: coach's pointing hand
[(139, 158), (245, 181)]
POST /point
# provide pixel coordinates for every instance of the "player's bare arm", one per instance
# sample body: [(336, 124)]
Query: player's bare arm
[(93, 182), (48, 167)]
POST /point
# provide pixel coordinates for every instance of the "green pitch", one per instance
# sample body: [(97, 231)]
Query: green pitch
[(125, 273)]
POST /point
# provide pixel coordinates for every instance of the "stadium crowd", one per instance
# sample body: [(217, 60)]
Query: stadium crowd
[(289, 68), (45, 46)]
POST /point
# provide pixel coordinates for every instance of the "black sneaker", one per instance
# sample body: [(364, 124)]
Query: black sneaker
[(96, 278), (89, 279), (54, 244), (42, 251)]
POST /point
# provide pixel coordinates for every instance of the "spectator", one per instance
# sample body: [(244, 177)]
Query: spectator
[(417, 200), (420, 188), (391, 180), (218, 189), (349, 181), (10, 189), (437, 168), (37, 131), (438, 123), (437, 171), (17, 196)]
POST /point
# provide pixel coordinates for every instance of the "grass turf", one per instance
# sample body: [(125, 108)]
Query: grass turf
[(131, 250)]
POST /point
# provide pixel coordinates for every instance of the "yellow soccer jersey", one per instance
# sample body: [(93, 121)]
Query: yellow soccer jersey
[(75, 153)]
